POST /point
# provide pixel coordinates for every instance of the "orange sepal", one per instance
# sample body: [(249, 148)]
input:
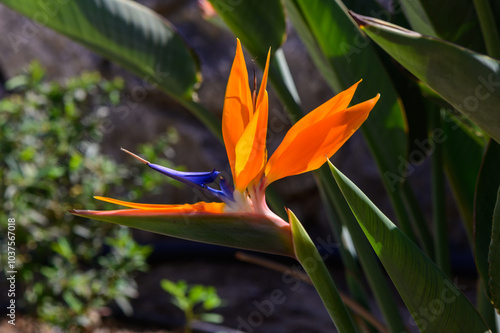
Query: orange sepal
[(208, 207), (315, 137), (238, 107), (251, 148)]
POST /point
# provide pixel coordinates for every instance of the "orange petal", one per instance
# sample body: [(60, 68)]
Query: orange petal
[(337, 103), (238, 107), (251, 148), (314, 138), (263, 83), (209, 207)]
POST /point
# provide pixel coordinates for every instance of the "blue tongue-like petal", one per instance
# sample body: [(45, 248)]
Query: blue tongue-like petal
[(195, 179), (198, 180), (189, 178)]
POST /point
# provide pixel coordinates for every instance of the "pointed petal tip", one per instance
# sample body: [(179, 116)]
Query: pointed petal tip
[(134, 155)]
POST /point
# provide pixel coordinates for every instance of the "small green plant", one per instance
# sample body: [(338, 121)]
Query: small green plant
[(195, 301), (50, 139)]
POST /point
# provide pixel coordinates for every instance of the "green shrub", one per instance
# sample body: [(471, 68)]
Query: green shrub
[(50, 135)]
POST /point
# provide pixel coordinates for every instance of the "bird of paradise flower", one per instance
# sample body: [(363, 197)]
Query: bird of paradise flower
[(242, 219)]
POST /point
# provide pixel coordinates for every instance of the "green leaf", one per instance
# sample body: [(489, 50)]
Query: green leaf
[(270, 32), (250, 231), (72, 301), (469, 81), (494, 256), (309, 257), (122, 31), (484, 204), (211, 318), (371, 267), (63, 247), (435, 303), (258, 24), (172, 288), (461, 27)]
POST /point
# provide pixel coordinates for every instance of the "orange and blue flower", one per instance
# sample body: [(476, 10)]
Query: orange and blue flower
[(305, 147)]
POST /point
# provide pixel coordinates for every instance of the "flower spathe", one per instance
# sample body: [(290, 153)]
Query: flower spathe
[(305, 147)]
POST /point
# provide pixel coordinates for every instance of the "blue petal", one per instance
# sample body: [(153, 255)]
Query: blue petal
[(226, 188), (198, 180), (189, 178)]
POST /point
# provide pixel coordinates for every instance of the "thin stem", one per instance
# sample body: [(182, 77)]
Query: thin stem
[(488, 27), (438, 198), (189, 319)]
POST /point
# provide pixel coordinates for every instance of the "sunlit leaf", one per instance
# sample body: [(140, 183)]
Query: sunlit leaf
[(309, 257), (462, 27), (469, 81), (423, 287), (259, 25)]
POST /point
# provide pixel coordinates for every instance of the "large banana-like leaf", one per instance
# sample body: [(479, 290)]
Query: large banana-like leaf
[(435, 303), (251, 232), (259, 25), (125, 32), (469, 81), (131, 35), (486, 196), (494, 256)]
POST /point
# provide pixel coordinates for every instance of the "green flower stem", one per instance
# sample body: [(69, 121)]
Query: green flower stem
[(369, 262), (438, 195), (309, 257), (188, 312), (488, 27)]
